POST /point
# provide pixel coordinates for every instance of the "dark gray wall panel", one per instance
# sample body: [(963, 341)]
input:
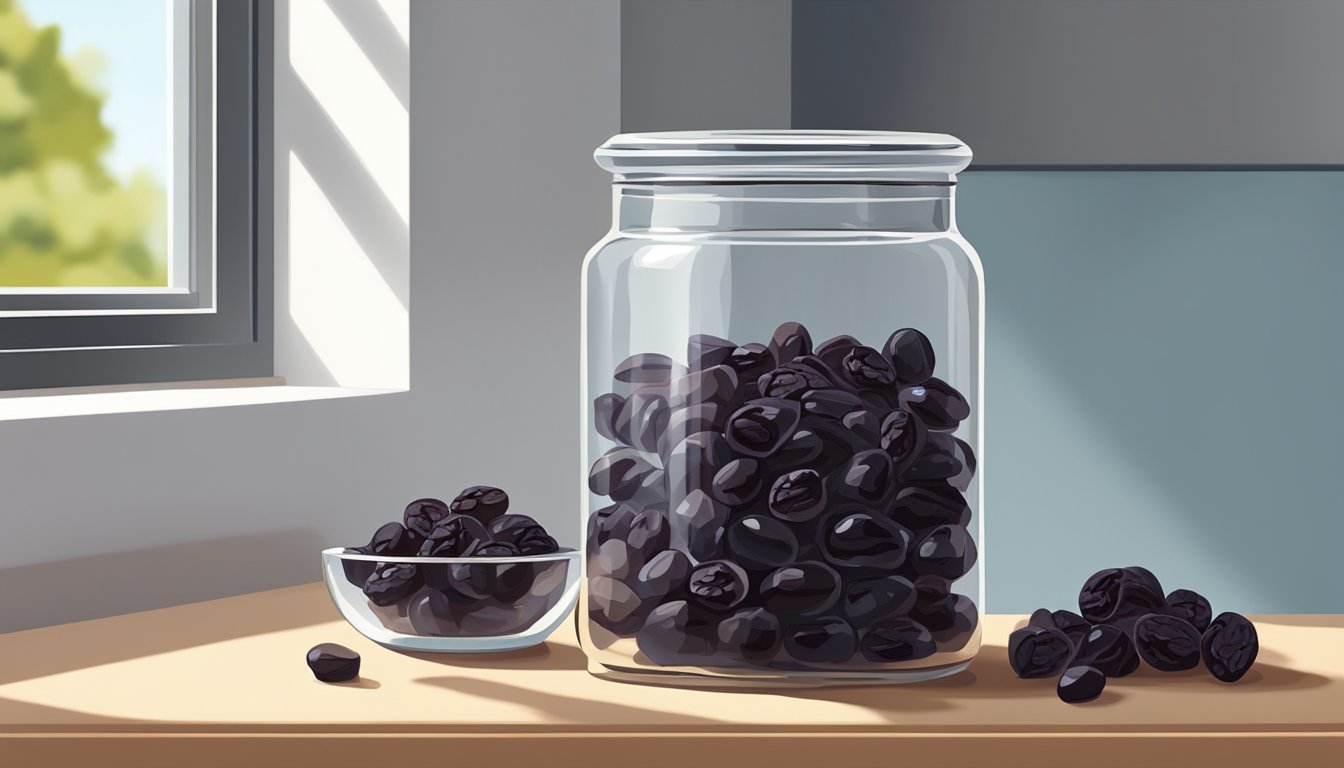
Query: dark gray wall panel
[(1082, 82), (699, 64)]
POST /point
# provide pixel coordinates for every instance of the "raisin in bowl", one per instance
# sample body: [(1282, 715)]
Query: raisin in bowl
[(453, 604)]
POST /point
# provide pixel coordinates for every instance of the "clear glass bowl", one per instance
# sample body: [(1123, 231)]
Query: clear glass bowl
[(457, 604)]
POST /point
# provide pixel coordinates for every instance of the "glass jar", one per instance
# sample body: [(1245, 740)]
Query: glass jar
[(782, 388)]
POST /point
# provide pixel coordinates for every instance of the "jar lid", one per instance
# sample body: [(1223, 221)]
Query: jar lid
[(784, 156)]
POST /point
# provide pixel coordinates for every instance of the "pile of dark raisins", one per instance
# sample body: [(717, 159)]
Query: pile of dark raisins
[(783, 504), (455, 598), (1125, 617)]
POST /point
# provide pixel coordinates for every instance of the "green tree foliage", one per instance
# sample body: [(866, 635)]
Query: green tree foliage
[(65, 220)]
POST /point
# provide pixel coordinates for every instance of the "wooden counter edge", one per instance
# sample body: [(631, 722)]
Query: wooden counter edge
[(655, 750)]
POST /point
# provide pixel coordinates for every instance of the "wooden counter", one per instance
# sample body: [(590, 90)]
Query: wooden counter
[(224, 683)]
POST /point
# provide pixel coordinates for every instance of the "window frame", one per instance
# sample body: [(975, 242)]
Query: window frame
[(232, 338)]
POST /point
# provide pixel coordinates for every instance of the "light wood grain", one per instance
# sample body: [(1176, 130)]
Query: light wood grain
[(152, 687)]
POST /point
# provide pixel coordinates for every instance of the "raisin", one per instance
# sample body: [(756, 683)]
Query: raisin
[(1229, 646), (333, 663)]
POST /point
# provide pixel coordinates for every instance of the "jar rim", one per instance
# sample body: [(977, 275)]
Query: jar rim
[(783, 155)]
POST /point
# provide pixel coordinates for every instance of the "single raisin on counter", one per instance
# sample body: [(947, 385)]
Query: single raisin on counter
[(1191, 606), (1229, 646), (1109, 649), (1036, 651), (1071, 624), (333, 663), (1167, 643), (1081, 683), (1119, 596)]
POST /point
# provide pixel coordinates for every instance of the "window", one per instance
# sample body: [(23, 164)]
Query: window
[(134, 191)]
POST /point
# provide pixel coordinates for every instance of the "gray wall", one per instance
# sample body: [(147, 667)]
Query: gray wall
[(704, 64), (1068, 82)]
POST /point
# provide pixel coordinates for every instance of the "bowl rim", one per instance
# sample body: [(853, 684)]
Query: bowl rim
[(562, 554)]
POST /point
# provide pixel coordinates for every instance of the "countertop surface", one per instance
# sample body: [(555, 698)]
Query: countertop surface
[(152, 688)]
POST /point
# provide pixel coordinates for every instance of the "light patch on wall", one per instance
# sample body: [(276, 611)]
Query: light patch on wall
[(338, 299), (1099, 499), (353, 94)]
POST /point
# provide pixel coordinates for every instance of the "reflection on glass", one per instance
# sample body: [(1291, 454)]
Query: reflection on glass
[(85, 126)]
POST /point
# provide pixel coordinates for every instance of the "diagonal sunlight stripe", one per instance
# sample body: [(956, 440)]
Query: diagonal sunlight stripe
[(382, 45), (399, 11), (351, 91), (350, 188), (344, 308)]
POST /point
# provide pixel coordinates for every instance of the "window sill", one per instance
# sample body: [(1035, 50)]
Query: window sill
[(22, 405)]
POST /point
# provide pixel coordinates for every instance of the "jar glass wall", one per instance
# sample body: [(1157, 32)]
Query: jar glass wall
[(782, 412)]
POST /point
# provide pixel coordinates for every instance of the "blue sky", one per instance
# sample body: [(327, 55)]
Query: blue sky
[(133, 37)]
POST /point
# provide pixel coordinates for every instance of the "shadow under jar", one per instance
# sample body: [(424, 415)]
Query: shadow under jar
[(783, 401)]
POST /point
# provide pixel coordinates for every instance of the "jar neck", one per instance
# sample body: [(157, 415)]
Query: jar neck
[(695, 207)]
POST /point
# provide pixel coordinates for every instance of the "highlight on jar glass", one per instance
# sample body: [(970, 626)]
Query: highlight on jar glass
[(783, 394)]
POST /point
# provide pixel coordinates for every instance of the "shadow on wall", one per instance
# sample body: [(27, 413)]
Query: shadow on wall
[(169, 575), (342, 175)]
